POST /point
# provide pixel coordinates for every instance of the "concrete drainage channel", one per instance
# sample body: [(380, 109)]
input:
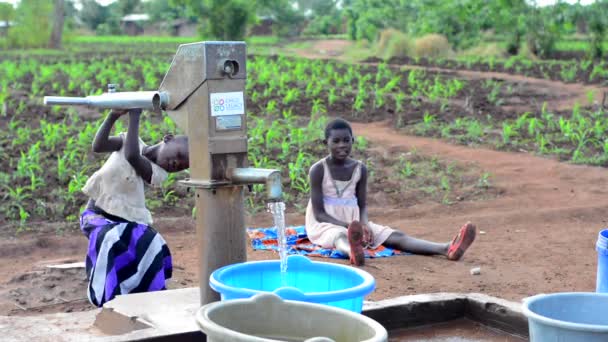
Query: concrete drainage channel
[(450, 317), (427, 317)]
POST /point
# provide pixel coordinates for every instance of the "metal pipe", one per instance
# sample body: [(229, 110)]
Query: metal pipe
[(250, 175), (151, 100)]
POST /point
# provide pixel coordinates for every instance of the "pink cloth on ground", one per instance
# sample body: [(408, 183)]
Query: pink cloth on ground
[(343, 207)]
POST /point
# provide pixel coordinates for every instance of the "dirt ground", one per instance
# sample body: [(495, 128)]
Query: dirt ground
[(537, 237)]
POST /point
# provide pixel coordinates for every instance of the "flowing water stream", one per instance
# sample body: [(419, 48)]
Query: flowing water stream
[(277, 209)]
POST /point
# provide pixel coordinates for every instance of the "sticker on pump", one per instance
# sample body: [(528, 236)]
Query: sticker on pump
[(228, 122), (232, 103)]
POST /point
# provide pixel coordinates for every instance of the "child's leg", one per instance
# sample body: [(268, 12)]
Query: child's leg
[(342, 245), (453, 250), (401, 241), (351, 243)]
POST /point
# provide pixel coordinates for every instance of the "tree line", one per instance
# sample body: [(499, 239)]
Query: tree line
[(463, 22)]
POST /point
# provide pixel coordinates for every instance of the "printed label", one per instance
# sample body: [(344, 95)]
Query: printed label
[(226, 122), (227, 103)]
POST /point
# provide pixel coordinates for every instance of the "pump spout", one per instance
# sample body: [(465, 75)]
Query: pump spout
[(249, 175), (151, 100)]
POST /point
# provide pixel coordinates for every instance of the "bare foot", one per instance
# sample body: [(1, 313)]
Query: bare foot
[(355, 240)]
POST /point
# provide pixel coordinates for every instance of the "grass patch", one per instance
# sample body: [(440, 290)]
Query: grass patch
[(411, 178), (129, 40), (358, 51)]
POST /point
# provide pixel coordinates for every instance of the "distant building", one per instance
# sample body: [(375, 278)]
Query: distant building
[(141, 24), (263, 26), (4, 25), (133, 24), (182, 28)]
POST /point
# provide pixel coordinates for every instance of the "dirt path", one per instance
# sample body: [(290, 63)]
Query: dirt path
[(540, 233)]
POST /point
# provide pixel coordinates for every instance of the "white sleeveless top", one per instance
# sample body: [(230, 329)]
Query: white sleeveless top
[(340, 201), (119, 190)]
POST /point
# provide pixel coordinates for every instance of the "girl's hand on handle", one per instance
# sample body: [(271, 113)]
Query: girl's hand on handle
[(116, 113), (135, 111)]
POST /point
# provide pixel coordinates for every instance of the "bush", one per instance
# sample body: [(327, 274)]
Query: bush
[(485, 50), (323, 25), (597, 28), (432, 46), (543, 32), (33, 24), (393, 43), (542, 43)]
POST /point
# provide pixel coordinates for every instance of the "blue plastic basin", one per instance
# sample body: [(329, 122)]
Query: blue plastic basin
[(602, 261), (308, 281), (570, 316)]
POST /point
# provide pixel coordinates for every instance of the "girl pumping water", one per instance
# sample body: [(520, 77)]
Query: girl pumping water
[(125, 254)]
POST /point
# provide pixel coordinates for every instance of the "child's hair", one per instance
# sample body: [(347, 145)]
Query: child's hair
[(180, 138), (337, 124)]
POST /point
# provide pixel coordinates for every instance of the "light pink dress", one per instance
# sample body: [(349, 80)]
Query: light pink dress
[(340, 201)]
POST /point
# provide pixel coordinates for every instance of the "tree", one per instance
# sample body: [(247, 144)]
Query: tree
[(543, 30), (33, 22), (366, 18), (326, 17), (58, 19), (222, 19), (597, 28), (93, 14), (509, 20), (287, 19), (7, 12), (165, 13), (317, 7), (128, 6), (162, 10)]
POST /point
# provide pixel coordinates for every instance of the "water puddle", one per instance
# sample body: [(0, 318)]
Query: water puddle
[(460, 330)]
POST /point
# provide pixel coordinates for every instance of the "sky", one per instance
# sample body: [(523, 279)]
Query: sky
[(103, 2), (539, 2)]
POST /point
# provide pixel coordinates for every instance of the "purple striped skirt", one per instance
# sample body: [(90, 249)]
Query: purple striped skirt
[(123, 257)]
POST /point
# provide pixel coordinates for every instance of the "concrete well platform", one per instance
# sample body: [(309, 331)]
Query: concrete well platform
[(169, 316)]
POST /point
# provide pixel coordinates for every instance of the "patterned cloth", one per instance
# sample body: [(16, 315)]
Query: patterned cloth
[(123, 257), (298, 243)]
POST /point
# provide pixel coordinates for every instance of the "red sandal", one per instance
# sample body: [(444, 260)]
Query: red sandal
[(461, 242), (355, 240)]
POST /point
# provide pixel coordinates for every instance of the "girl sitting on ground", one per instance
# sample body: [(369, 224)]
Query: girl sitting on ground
[(125, 254), (336, 216)]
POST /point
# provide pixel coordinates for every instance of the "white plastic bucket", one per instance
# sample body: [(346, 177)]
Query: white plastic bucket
[(267, 318)]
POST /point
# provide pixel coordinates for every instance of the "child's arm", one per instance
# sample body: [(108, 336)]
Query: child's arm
[(316, 197), (103, 142), (361, 193), (141, 165)]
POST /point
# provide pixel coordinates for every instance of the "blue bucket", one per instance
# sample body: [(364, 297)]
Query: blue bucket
[(307, 281), (602, 261), (572, 317)]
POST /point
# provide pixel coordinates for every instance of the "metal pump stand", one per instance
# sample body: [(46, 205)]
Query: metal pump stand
[(204, 93)]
